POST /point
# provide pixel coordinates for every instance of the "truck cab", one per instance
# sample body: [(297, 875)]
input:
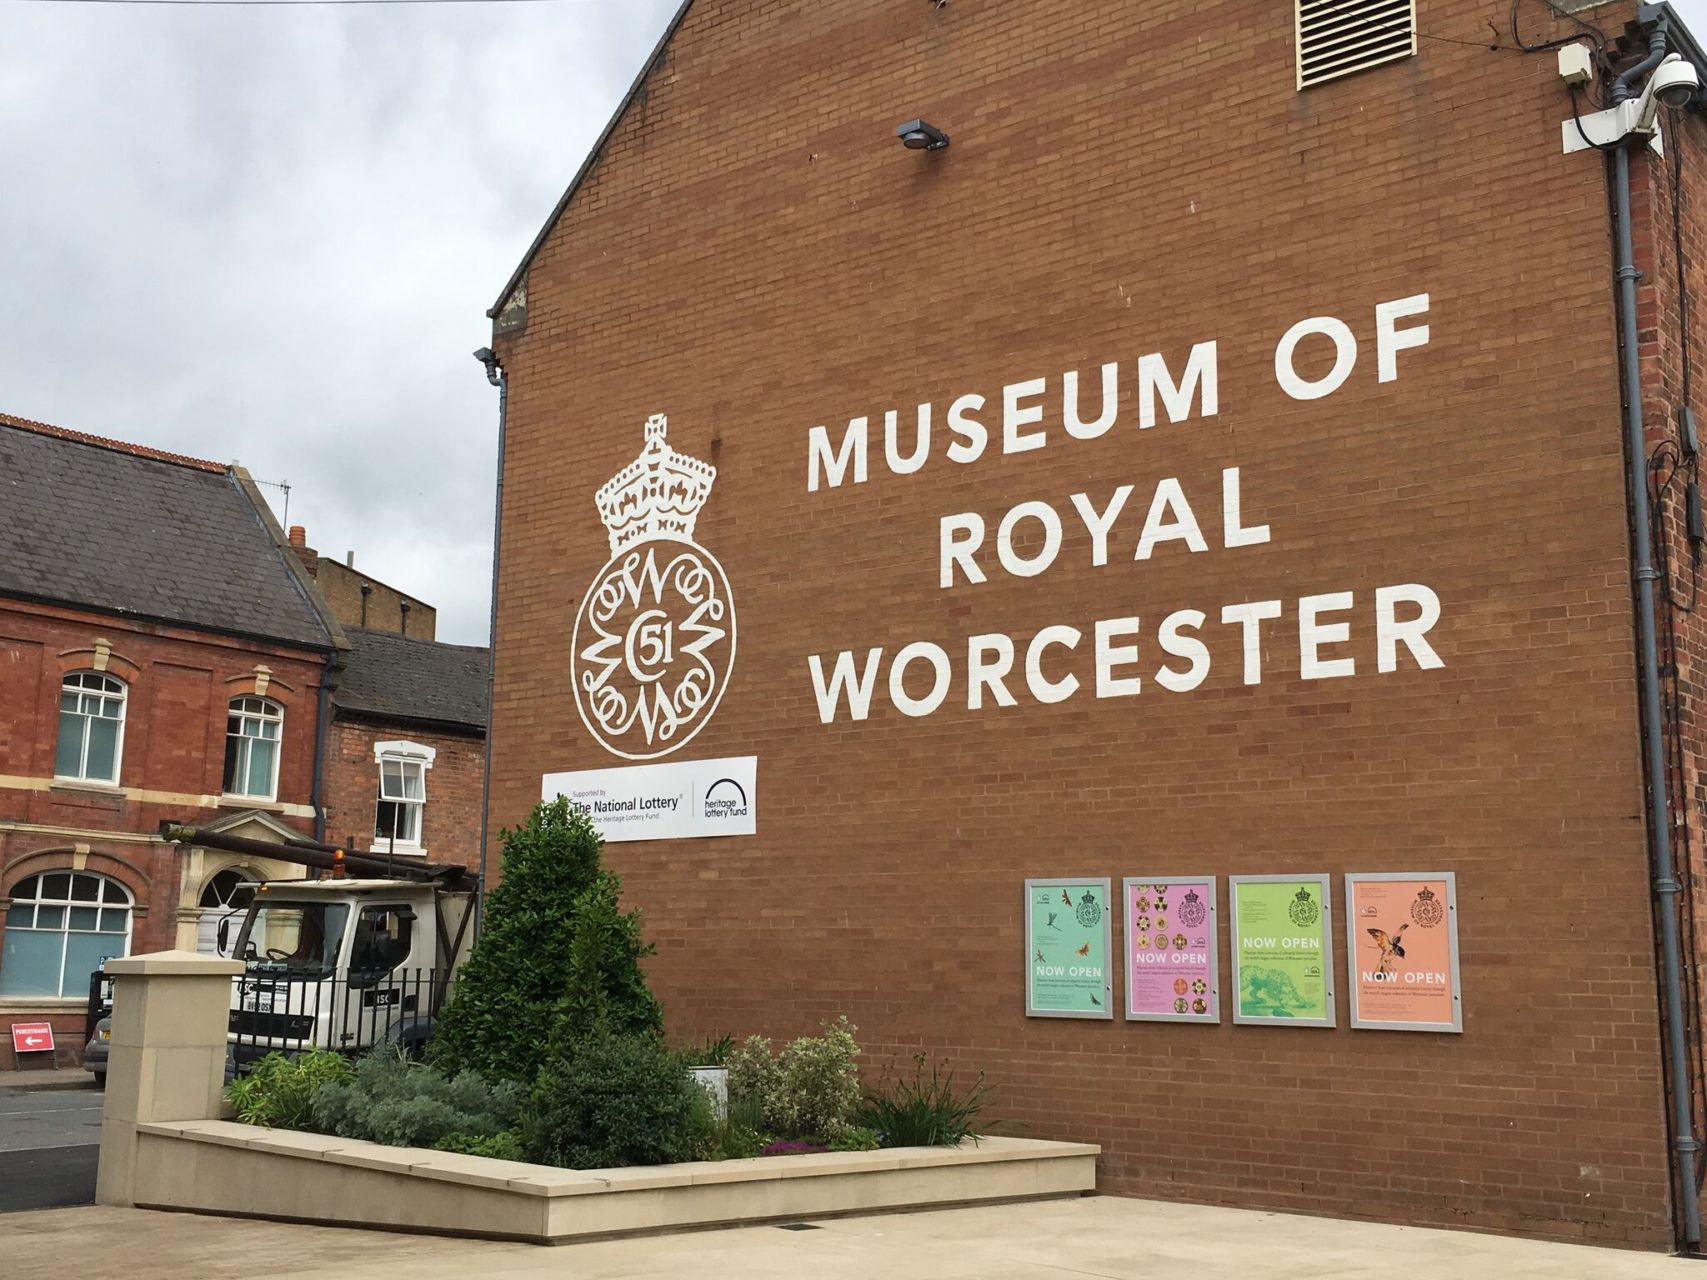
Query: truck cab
[(343, 964)]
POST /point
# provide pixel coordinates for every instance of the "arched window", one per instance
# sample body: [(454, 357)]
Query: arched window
[(225, 898), (60, 927), (91, 728), (252, 733)]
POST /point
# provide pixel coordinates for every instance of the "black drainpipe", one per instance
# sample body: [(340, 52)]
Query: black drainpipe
[(496, 376), (1666, 885), (328, 683)]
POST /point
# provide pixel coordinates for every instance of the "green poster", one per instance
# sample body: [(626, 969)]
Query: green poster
[(1283, 966), (1067, 949)]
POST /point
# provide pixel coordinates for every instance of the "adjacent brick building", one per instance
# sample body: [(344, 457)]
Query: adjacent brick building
[(161, 656), (166, 653), (408, 750), (1181, 472)]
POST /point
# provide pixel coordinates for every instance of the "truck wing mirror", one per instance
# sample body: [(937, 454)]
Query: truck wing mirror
[(222, 937)]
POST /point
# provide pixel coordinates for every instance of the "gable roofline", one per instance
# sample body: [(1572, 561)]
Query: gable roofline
[(593, 157), (298, 571), (116, 446)]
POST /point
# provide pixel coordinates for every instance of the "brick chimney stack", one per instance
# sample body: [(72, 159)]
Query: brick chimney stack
[(307, 554)]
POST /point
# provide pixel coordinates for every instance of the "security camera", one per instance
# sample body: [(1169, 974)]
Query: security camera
[(1673, 84)]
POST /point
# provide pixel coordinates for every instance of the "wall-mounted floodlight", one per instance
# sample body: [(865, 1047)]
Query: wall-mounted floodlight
[(920, 135)]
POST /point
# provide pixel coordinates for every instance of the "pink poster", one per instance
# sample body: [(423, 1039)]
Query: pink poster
[(1171, 970)]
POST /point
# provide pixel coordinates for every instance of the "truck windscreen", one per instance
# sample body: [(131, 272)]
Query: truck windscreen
[(302, 937)]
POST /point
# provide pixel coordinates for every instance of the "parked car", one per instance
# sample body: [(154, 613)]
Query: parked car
[(95, 1052)]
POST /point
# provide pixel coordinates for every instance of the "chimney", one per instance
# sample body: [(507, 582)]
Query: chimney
[(308, 555)]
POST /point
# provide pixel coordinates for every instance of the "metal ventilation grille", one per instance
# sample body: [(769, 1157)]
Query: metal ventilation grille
[(1339, 37)]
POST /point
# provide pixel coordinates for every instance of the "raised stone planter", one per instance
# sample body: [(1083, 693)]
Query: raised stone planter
[(164, 1147), (214, 1166)]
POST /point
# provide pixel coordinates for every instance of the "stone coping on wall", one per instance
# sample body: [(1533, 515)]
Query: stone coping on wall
[(217, 1166)]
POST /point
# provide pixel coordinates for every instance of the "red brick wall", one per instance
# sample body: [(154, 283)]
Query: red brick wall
[(1670, 203), (450, 823), (179, 685), (755, 255)]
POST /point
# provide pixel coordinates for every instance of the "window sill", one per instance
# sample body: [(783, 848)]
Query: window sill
[(402, 851), (268, 803), (46, 1004), (92, 788)]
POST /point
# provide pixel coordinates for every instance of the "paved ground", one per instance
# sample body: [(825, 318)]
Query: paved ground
[(48, 1140), (1102, 1238)]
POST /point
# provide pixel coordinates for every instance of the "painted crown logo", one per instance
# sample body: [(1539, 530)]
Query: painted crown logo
[(658, 495), (654, 639)]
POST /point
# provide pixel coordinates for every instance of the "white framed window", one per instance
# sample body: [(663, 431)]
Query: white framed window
[(91, 728), (401, 808), (60, 928), (252, 733)]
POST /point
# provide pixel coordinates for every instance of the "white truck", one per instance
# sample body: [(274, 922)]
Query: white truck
[(345, 961)]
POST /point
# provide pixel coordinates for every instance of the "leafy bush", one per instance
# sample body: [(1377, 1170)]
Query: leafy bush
[(708, 1053), (820, 1084), (617, 1100), (923, 1112), (500, 1146), (524, 980), (400, 1103), (855, 1138), (605, 992), (755, 1080), (278, 1091), (811, 1091)]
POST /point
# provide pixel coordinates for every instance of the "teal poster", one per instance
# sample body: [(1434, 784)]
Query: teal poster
[(1067, 929)]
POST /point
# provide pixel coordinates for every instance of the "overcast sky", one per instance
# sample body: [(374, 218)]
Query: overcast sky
[(270, 235)]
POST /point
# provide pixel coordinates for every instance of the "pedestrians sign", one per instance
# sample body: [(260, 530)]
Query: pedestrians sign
[(32, 1037)]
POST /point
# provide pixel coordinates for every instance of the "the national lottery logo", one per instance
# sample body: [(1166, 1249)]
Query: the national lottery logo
[(654, 640)]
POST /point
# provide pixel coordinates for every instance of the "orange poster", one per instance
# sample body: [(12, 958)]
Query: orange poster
[(1402, 951)]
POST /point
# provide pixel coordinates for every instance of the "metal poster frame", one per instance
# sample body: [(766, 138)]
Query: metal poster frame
[(1451, 881), (1106, 1012), (1324, 882), (1214, 928)]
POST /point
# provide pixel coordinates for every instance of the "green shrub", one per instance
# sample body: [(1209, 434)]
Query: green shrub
[(923, 1112), (278, 1091), (524, 990), (500, 1146), (616, 1101), (755, 1081), (605, 993), (855, 1138), (400, 1103), (811, 1091), (819, 1091), (707, 1053)]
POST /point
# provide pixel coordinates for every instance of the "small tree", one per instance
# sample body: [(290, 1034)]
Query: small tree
[(516, 986), (606, 992)]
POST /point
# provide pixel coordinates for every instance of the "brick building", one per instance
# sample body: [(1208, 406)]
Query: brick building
[(406, 762), (358, 599), (162, 655), (1182, 472)]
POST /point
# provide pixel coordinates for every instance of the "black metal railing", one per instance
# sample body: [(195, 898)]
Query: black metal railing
[(349, 1012)]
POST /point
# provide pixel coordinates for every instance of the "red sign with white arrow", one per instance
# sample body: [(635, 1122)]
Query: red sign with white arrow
[(32, 1037)]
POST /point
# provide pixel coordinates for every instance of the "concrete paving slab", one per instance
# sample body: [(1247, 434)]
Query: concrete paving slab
[(1101, 1237)]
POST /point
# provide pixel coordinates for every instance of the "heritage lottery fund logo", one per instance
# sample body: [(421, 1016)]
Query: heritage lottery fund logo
[(654, 639), (1155, 516)]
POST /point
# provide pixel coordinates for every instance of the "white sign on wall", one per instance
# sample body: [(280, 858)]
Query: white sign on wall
[(682, 800)]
